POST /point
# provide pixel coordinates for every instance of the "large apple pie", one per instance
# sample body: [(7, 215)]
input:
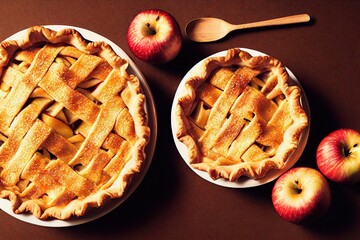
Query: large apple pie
[(73, 125), (239, 115)]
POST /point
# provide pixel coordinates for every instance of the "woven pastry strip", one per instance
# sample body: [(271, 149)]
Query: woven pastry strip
[(72, 124), (239, 116), (11, 105)]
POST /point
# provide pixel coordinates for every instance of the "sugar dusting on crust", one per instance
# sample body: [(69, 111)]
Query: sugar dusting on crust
[(279, 85)]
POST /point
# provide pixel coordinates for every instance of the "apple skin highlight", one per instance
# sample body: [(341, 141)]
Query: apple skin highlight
[(338, 156), (154, 36), (301, 195)]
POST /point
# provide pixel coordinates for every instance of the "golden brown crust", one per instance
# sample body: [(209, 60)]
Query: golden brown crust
[(39, 34), (118, 124), (215, 151)]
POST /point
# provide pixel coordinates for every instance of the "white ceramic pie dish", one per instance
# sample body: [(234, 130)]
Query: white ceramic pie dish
[(93, 214), (243, 182)]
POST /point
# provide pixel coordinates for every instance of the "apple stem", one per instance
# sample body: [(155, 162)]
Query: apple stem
[(150, 30), (297, 189), (346, 151)]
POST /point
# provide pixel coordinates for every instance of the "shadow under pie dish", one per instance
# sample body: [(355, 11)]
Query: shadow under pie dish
[(239, 116), (73, 124)]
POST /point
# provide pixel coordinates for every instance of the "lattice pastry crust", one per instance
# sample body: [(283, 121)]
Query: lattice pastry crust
[(239, 116), (73, 125)]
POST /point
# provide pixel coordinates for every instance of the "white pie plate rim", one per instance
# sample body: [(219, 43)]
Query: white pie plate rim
[(243, 182), (94, 214)]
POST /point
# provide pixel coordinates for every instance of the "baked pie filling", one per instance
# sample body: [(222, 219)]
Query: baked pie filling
[(73, 125), (239, 115)]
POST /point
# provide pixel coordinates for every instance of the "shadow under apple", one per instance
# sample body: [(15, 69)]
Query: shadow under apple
[(190, 54), (340, 216)]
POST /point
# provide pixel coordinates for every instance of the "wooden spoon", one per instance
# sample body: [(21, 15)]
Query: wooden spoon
[(211, 29)]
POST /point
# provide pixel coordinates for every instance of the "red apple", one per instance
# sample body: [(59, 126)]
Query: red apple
[(154, 36), (301, 195), (338, 156)]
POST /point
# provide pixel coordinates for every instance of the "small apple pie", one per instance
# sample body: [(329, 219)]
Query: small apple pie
[(239, 115), (73, 125)]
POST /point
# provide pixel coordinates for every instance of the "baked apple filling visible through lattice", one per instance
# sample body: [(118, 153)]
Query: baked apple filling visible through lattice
[(238, 115), (72, 124)]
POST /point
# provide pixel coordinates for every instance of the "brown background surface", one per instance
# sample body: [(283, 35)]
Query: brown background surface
[(172, 202)]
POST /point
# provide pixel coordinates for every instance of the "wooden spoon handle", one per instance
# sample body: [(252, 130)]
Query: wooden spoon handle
[(276, 21)]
